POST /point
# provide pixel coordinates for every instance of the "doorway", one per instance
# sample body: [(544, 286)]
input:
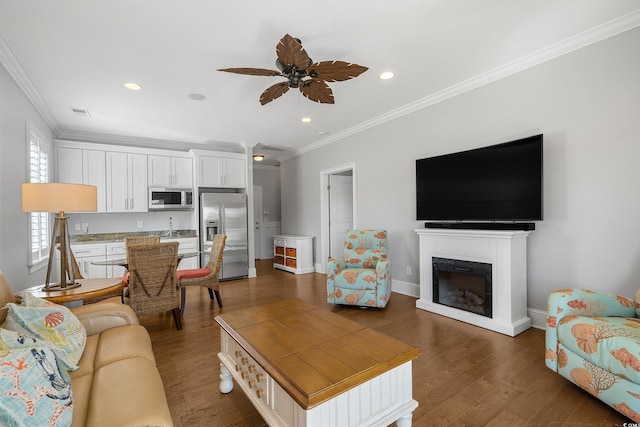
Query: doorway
[(338, 209)]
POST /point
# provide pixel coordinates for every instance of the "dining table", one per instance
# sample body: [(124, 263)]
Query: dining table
[(122, 262)]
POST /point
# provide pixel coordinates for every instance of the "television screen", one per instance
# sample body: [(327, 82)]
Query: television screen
[(497, 183)]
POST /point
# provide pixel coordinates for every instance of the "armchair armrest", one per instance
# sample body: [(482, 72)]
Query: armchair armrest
[(333, 265), (383, 270), (99, 317), (565, 303)]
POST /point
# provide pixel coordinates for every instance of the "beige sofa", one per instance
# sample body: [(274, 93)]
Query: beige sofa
[(117, 383)]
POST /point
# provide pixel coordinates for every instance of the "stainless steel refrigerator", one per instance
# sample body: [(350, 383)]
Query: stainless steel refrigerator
[(225, 213)]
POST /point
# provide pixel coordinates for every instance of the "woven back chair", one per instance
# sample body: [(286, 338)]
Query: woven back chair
[(142, 240), (152, 280), (207, 276)]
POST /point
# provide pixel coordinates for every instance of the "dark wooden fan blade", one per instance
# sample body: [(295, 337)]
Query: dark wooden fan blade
[(291, 53), (317, 90), (273, 92), (252, 71), (335, 71)]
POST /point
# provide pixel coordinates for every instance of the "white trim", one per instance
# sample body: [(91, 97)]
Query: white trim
[(538, 318), (13, 67), (44, 145), (578, 41), (324, 209), (601, 32), (405, 288)]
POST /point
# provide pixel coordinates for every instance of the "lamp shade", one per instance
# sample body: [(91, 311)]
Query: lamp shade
[(55, 197)]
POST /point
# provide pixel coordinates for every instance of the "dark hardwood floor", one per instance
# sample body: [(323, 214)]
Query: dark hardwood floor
[(466, 376)]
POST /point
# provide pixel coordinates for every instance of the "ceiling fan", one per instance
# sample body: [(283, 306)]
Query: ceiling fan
[(295, 65)]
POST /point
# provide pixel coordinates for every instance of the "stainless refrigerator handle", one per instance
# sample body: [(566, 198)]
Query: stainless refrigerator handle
[(223, 219)]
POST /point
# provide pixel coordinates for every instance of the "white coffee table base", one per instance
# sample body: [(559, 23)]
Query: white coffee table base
[(384, 399)]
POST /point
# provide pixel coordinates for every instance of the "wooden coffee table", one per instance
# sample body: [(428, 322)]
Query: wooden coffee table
[(88, 289), (304, 366)]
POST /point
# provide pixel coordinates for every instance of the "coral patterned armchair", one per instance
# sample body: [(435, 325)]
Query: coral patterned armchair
[(363, 275), (593, 340)]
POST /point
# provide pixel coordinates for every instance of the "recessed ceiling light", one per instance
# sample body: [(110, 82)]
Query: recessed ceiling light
[(132, 86), (306, 119), (386, 75), (196, 96)]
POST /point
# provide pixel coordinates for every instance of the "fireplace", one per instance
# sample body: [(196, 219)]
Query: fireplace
[(465, 285), (493, 264)]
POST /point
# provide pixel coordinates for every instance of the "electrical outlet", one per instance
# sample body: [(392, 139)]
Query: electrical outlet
[(140, 224), (78, 227), (85, 227), (408, 270)]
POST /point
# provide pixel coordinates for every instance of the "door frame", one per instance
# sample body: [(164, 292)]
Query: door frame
[(324, 209), (257, 246)]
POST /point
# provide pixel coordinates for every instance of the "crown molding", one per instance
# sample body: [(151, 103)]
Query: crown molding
[(586, 38), (15, 70), (144, 142)]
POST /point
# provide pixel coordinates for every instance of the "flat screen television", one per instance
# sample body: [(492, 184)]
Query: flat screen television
[(500, 182)]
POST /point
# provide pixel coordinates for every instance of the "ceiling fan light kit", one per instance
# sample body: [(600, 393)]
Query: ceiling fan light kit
[(302, 73)]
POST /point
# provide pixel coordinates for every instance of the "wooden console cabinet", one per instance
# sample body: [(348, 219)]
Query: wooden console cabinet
[(293, 253)]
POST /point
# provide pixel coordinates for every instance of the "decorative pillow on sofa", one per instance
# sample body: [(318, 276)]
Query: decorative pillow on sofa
[(54, 323), (34, 391)]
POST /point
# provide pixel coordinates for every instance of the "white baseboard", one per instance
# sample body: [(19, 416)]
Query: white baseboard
[(405, 288), (538, 318)]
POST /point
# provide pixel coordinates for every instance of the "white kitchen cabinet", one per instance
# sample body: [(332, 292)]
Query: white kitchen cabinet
[(126, 176), (69, 165), (85, 255), (187, 245), (79, 166), (94, 173), (116, 250), (170, 172), (220, 171)]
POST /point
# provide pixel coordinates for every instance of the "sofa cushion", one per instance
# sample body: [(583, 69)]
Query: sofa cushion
[(51, 322), (35, 390), (123, 342), (612, 343), (192, 273), (138, 386)]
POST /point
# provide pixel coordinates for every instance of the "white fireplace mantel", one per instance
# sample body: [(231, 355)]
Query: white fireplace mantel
[(506, 251)]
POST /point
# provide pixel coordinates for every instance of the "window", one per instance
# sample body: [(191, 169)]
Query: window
[(39, 223)]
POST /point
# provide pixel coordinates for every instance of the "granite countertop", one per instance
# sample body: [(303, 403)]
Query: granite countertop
[(119, 237)]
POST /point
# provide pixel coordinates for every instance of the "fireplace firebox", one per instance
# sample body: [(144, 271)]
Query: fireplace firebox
[(465, 285)]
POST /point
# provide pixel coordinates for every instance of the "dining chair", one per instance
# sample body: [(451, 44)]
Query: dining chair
[(206, 276), (141, 240), (152, 279)]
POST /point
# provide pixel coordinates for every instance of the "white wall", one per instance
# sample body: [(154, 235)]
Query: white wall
[(587, 105), (268, 177), (15, 111)]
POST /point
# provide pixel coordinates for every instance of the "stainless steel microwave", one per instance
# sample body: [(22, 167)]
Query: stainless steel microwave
[(167, 199)]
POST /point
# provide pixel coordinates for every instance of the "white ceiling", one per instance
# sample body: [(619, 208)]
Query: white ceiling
[(78, 54)]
